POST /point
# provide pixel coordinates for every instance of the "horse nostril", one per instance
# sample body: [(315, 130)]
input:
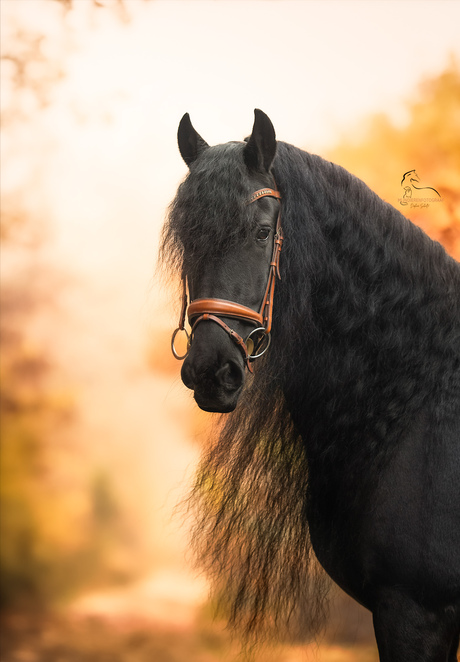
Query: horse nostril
[(230, 376)]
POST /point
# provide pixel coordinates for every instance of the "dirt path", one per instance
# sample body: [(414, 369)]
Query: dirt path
[(30, 637)]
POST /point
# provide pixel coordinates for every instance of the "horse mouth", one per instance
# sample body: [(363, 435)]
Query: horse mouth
[(215, 390), (216, 403)]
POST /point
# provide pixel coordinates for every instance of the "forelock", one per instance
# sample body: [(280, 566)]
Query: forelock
[(210, 212)]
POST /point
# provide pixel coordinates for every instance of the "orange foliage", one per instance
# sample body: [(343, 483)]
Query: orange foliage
[(430, 144)]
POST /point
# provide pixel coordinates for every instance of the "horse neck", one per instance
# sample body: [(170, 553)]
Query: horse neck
[(360, 306)]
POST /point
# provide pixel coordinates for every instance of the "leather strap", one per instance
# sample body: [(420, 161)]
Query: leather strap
[(264, 192), (233, 335), (225, 308), (184, 303), (267, 303)]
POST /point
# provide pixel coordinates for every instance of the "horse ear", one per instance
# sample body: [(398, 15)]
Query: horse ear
[(191, 144), (261, 144)]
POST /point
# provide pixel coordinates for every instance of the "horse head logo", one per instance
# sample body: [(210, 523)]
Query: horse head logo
[(409, 182)]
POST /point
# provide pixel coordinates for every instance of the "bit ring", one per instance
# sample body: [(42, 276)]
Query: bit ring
[(173, 338), (266, 339)]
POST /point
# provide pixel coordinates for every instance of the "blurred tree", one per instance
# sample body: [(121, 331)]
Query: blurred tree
[(28, 76), (429, 144), (119, 7), (59, 525), (36, 488)]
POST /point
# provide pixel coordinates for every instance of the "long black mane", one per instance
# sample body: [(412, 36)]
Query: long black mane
[(359, 284)]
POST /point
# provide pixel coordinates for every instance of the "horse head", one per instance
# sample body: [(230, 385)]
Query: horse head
[(229, 258)]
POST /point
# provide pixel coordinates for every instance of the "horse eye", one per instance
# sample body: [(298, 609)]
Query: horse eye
[(263, 234)]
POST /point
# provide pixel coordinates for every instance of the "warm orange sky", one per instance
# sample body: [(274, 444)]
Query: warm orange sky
[(100, 164)]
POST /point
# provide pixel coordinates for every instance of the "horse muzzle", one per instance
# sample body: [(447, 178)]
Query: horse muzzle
[(214, 372)]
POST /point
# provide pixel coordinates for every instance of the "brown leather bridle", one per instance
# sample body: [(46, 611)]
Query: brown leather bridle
[(201, 310)]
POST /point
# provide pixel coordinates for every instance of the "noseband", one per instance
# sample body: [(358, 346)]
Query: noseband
[(201, 310)]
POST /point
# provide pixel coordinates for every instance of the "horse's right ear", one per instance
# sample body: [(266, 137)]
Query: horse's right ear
[(191, 144), (261, 144)]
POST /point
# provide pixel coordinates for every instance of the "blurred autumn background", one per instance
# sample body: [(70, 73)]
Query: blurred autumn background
[(98, 436)]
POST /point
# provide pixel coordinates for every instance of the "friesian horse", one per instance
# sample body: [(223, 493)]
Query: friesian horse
[(344, 434)]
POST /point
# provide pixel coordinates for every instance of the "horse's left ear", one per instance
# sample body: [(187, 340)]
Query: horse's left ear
[(261, 144), (191, 144)]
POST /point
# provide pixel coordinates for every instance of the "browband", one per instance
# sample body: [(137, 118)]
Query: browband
[(264, 192)]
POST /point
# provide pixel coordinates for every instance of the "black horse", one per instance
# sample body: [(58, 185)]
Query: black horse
[(344, 436)]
